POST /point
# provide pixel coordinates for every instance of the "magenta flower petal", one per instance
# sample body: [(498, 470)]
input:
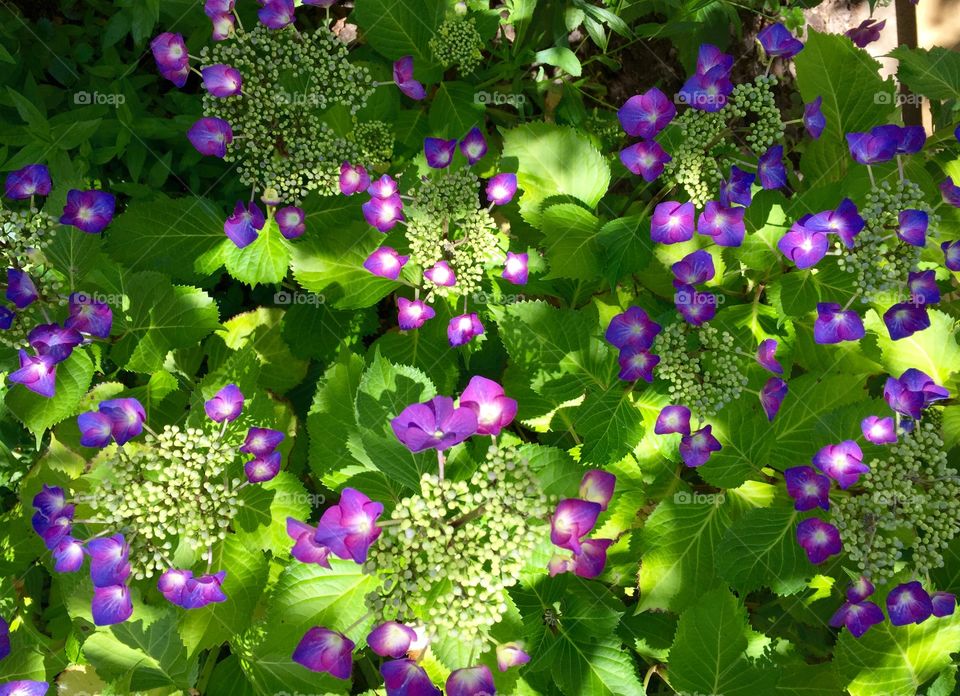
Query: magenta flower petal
[(203, 590), (384, 187), (441, 275), (645, 115), (471, 681), (859, 589), (725, 225), (909, 603), (486, 398), (54, 342), (808, 489), (32, 180), (819, 539), (386, 263), (845, 222), (263, 468), (172, 584), (323, 650), (111, 605), (571, 521), (672, 222), (383, 213), (857, 617), (439, 152), (694, 268), (223, 27), (353, 179), (516, 268), (834, 325), (766, 356), (463, 329), (435, 424), (36, 373), (89, 316), (597, 486), (68, 555), (632, 329), (225, 405), (501, 188), (879, 431), (170, 51), (695, 307), (696, 448), (403, 77), (292, 221), (473, 146), (210, 136), (89, 211), (673, 419), (646, 158), (261, 441), (24, 687), (222, 80), (905, 319), (407, 678), (511, 655), (126, 416), (842, 462), (412, 314), (592, 559), (305, 548), (244, 224), (391, 639), (349, 528), (276, 14), (772, 396), (636, 363)]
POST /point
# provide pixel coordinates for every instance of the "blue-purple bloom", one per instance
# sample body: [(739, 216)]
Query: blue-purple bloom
[(473, 146), (844, 221), (24, 687), (858, 617), (471, 681), (771, 170), (673, 419), (923, 287), (943, 603), (32, 180), (910, 140), (67, 555), (913, 227), (292, 221), (632, 328), (89, 316), (111, 605), (724, 225), (905, 319), (89, 211), (912, 392), (819, 539), (53, 341), (672, 222), (694, 268), (109, 564), (813, 119), (126, 418), (244, 224), (808, 489), (835, 324), (222, 80), (261, 441), (866, 32), (637, 363), (696, 448), (36, 373), (645, 158), (7, 316), (391, 639), (323, 650), (708, 88), (695, 307), (403, 77), (225, 405), (463, 329), (276, 14), (407, 678), (879, 431), (950, 192), (435, 424), (645, 115), (842, 462), (859, 589), (439, 152), (210, 136), (737, 187), (766, 356), (262, 468), (516, 268), (349, 528), (412, 314), (876, 146), (572, 520), (803, 246), (772, 396), (777, 41), (501, 188), (353, 179), (951, 255), (306, 549), (173, 61), (909, 603)]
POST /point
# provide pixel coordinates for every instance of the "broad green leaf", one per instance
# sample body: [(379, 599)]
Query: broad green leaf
[(933, 350), (555, 161), (561, 57), (261, 521), (625, 247), (609, 424), (37, 412), (402, 28), (265, 260), (709, 652), (260, 329), (454, 110), (330, 421), (571, 242), (760, 549), (934, 73)]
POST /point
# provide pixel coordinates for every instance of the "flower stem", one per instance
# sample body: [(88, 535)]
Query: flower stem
[(441, 462)]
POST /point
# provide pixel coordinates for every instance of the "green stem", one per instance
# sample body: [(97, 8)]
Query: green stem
[(208, 665)]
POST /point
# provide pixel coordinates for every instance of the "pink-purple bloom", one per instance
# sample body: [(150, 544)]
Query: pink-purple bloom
[(471, 681), (724, 225), (766, 356), (32, 180), (225, 405), (905, 319), (36, 373), (778, 42), (879, 431), (244, 224), (89, 211), (261, 441), (67, 555), (951, 254), (637, 363), (407, 678), (323, 650), (441, 275), (412, 314), (592, 559), (501, 188), (383, 213), (463, 329), (645, 115), (818, 539), (53, 341), (210, 136), (89, 316), (222, 80), (673, 419), (516, 268), (386, 262), (646, 158), (772, 396), (109, 564), (435, 424), (276, 14), (844, 221), (696, 448), (842, 462), (737, 187), (473, 146), (866, 32), (572, 520), (695, 307), (597, 486), (859, 589), (808, 489), (672, 222), (21, 290), (439, 152), (391, 639), (511, 655), (835, 324), (24, 687), (173, 61), (493, 408), (912, 392), (349, 528), (694, 268), (202, 590), (292, 221), (403, 77), (111, 605), (813, 119), (353, 179), (909, 603), (632, 329), (263, 468), (306, 549), (384, 187), (771, 170)]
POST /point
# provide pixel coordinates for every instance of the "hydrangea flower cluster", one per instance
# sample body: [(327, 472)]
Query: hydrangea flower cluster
[(175, 492), (892, 515), (34, 288), (452, 239), (457, 43), (459, 542)]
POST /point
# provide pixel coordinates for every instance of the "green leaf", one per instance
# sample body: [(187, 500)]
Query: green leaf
[(561, 57), (149, 656), (678, 545), (39, 413), (261, 522), (625, 247), (609, 424), (265, 260), (896, 660), (217, 623), (760, 549), (578, 647), (933, 350), (555, 161), (827, 67), (330, 423), (934, 73), (260, 329), (709, 652), (454, 110), (571, 243), (398, 28)]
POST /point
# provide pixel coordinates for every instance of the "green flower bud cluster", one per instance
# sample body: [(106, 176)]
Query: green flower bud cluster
[(702, 365), (24, 235), (455, 548), (446, 223), (755, 105), (290, 79), (694, 166), (908, 509), (458, 43), (173, 491), (880, 260)]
